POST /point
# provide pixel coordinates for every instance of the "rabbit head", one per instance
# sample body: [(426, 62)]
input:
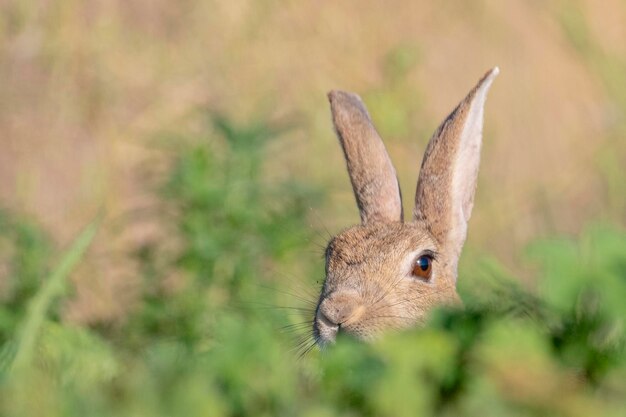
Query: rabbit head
[(386, 273)]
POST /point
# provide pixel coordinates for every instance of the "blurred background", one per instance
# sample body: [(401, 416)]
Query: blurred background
[(197, 133), (90, 87)]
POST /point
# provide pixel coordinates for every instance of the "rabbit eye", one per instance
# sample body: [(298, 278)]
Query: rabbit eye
[(423, 267)]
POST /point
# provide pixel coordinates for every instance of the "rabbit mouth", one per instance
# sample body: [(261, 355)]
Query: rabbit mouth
[(324, 330)]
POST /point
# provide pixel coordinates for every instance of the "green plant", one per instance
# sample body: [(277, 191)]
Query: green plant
[(212, 344)]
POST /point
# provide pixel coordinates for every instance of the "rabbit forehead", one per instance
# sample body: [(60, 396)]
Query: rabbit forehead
[(372, 245)]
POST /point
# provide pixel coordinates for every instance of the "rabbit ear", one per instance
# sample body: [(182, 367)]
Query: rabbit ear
[(372, 175), (447, 181)]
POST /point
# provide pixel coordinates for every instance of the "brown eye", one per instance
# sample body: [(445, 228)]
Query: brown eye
[(423, 267)]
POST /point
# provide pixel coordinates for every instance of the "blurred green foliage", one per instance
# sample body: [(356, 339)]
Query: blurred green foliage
[(24, 251), (219, 342)]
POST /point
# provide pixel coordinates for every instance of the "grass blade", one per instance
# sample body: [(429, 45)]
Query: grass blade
[(52, 287)]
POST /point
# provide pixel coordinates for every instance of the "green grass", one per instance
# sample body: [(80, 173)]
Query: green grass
[(41, 302), (217, 343)]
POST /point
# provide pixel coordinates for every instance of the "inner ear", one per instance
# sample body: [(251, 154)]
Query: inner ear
[(445, 190)]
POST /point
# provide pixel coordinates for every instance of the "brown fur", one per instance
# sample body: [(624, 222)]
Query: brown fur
[(372, 174), (369, 287), (432, 202)]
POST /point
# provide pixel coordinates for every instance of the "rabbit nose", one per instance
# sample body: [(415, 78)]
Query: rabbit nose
[(337, 310), (341, 309)]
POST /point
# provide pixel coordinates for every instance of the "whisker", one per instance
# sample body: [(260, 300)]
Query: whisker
[(257, 304), (296, 332), (388, 290), (300, 325), (309, 291), (406, 300), (296, 296), (301, 345), (389, 317), (321, 221), (307, 349)]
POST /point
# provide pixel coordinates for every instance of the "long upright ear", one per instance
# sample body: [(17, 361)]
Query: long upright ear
[(371, 172), (447, 181)]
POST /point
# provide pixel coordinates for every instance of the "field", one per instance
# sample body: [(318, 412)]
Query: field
[(169, 178)]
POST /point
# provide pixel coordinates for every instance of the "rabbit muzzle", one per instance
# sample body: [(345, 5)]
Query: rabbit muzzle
[(335, 313)]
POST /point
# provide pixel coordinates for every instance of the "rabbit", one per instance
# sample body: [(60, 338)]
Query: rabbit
[(386, 273)]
